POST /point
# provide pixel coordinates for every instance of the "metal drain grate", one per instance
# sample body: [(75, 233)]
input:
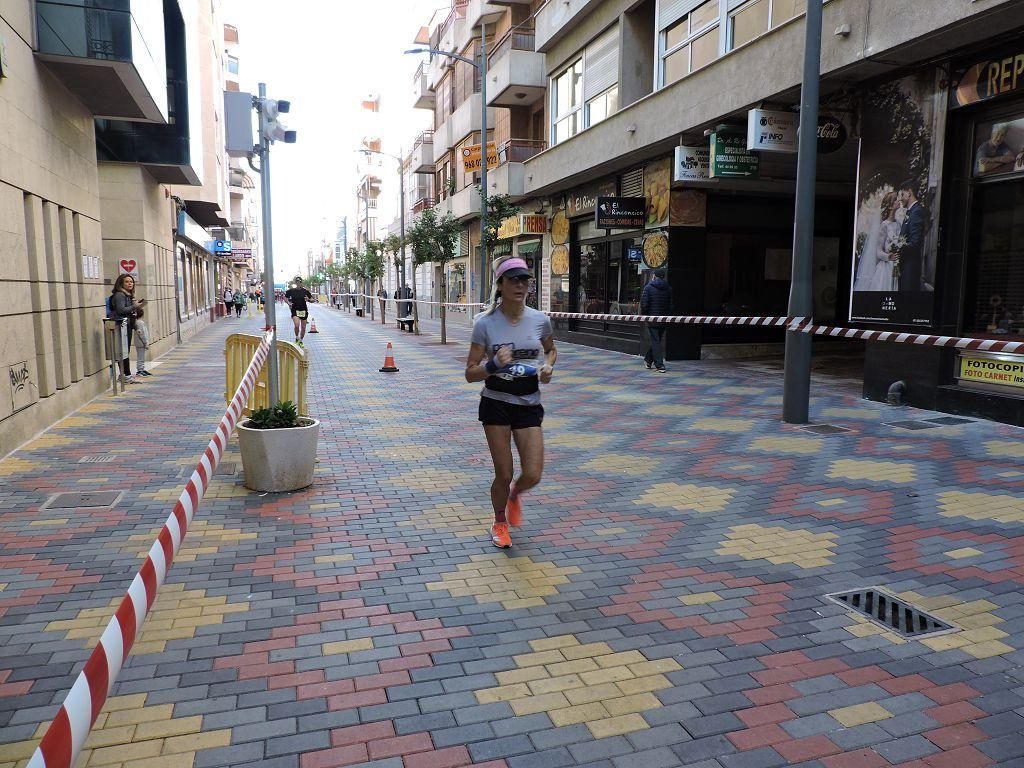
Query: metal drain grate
[(99, 458), (825, 429), (911, 425), (890, 612), (949, 421)]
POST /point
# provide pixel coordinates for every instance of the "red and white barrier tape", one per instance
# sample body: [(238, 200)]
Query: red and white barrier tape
[(69, 730), (678, 319), (409, 300), (922, 339)]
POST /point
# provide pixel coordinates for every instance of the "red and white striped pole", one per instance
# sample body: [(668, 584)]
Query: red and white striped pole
[(69, 730)]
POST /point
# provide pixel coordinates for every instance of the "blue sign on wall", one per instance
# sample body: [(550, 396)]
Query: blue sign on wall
[(220, 246), (634, 254)]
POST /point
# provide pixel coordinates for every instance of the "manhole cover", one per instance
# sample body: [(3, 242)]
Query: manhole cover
[(74, 500), (911, 425), (824, 429), (890, 612), (100, 458), (949, 421)]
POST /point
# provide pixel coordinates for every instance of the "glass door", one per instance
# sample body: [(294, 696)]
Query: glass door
[(994, 295)]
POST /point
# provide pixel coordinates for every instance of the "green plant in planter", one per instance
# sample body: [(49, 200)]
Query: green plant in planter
[(280, 416)]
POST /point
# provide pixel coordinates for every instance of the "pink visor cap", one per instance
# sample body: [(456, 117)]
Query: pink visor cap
[(512, 268)]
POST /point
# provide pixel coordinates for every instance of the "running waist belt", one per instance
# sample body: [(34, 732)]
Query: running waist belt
[(514, 379)]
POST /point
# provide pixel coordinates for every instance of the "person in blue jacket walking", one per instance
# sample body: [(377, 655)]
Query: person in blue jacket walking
[(656, 300)]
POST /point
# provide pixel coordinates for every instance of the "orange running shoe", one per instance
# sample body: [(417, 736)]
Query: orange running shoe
[(499, 535), (514, 508)]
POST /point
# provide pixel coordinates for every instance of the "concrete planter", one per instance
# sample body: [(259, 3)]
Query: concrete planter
[(277, 460)]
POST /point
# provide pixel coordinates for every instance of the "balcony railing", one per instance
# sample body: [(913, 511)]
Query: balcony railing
[(427, 137), (513, 40), (422, 204), (458, 12), (521, 150)]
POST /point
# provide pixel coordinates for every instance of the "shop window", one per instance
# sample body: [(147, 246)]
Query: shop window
[(748, 22), (995, 265), (784, 10), (602, 106), (691, 42)]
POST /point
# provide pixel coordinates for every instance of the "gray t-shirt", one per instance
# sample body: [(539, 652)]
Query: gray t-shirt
[(493, 332)]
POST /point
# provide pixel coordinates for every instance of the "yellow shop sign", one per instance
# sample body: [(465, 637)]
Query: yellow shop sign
[(1002, 371)]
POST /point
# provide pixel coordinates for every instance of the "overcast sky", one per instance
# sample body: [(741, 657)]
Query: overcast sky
[(325, 56)]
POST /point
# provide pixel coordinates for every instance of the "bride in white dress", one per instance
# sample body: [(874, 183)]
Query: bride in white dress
[(875, 268)]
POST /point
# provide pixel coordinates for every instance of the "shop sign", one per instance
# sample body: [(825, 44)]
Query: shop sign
[(730, 158), (621, 212), (634, 254), (772, 131), (584, 200), (219, 246), (1002, 371), (242, 253), (989, 78), (831, 134), (692, 164), (471, 160), (523, 224)]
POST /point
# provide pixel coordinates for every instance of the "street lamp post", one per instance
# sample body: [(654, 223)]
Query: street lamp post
[(481, 67)]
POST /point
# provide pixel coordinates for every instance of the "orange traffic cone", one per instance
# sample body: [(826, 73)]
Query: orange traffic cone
[(389, 361), (312, 326)]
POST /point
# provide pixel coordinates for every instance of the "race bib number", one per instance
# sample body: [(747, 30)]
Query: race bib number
[(301, 314)]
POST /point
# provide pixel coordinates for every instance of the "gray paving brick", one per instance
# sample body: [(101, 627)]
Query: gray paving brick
[(905, 749)]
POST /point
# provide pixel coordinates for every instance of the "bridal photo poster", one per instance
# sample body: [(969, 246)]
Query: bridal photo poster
[(902, 130)]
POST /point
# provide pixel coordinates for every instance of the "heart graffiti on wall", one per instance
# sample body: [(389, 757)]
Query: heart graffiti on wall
[(129, 267)]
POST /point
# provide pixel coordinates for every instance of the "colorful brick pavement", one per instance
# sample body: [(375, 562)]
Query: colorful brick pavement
[(663, 605)]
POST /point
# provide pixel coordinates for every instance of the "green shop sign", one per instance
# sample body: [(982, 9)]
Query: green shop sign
[(730, 158)]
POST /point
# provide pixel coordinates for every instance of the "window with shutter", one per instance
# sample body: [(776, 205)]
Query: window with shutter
[(601, 64)]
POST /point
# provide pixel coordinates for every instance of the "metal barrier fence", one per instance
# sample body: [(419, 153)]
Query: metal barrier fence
[(293, 368)]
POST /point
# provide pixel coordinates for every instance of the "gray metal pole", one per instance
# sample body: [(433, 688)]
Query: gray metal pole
[(483, 164), (401, 216), (270, 303), (797, 389)]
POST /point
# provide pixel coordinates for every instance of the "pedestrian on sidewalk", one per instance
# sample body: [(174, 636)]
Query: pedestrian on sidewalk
[(124, 308), (297, 297), (382, 297), (141, 344), (656, 299), (512, 351), (239, 302), (228, 297)]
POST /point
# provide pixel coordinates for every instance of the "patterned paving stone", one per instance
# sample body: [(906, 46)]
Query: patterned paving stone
[(663, 604)]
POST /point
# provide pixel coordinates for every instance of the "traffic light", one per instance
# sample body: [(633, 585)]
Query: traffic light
[(273, 128)]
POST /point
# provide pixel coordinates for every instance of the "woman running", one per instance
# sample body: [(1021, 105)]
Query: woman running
[(509, 340)]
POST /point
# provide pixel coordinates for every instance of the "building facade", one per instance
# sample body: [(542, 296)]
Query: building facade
[(692, 105)]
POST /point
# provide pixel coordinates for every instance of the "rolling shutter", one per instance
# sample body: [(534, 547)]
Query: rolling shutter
[(633, 183), (673, 10), (601, 64)]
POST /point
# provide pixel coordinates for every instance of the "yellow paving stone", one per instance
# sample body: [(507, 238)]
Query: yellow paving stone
[(579, 713), (348, 646), (686, 497), (574, 667), (1000, 507), (197, 741), (672, 410), (525, 675), (644, 684), (432, 479), (987, 650), (165, 728), (860, 714), (700, 598), (141, 715), (583, 440), (723, 424), (12, 466), (125, 752), (616, 726), (982, 634), (788, 444), (657, 666), (515, 582), (779, 545), (633, 465), (505, 693), (534, 704), (593, 693), (102, 736), (551, 643), (945, 642), (620, 659), (609, 675), (830, 502), (610, 531), (552, 684), (865, 469), (959, 554), (628, 705), (538, 658), (1013, 449), (587, 651)]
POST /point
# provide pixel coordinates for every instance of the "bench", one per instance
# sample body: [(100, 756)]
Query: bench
[(405, 324)]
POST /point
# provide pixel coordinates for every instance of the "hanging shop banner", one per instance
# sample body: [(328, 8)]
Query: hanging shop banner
[(583, 201), (831, 134), (620, 213), (471, 160), (896, 226), (772, 131), (730, 158), (990, 78), (523, 224), (692, 164), (657, 180)]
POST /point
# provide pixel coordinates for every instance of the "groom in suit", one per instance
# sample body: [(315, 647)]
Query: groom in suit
[(912, 235)]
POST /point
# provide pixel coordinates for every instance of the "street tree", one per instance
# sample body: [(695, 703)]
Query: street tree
[(434, 240), (393, 245)]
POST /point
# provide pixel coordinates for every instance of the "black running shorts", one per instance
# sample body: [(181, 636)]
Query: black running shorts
[(499, 413)]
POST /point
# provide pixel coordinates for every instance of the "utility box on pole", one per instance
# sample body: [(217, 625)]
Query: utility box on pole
[(238, 116)]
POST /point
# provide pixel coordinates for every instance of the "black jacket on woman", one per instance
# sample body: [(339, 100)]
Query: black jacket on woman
[(123, 307)]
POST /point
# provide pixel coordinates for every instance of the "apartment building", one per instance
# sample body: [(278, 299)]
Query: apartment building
[(99, 161), (693, 106)]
